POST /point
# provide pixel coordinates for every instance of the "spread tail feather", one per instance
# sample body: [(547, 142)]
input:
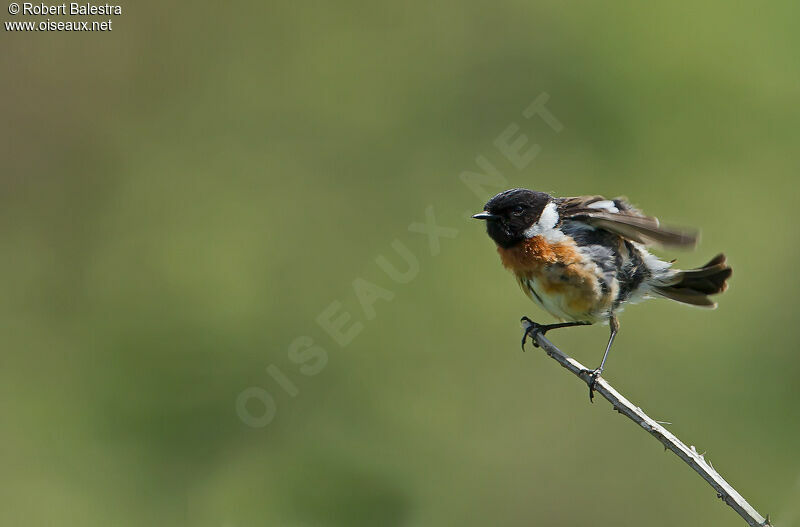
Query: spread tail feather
[(695, 285)]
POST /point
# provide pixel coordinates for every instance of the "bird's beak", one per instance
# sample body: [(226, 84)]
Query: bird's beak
[(485, 216)]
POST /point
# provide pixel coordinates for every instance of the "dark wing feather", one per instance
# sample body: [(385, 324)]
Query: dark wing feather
[(627, 222)]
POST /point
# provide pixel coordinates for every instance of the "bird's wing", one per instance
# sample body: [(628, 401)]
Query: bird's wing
[(620, 217)]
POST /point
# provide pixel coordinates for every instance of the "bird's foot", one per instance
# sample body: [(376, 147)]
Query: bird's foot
[(532, 329), (593, 376)]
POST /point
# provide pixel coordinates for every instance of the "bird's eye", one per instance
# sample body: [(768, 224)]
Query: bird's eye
[(519, 209)]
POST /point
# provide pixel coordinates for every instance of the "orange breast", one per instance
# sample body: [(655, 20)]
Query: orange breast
[(534, 253), (556, 276)]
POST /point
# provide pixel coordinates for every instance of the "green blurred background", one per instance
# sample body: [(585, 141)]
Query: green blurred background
[(183, 196)]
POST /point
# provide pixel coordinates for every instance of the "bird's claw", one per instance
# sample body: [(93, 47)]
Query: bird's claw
[(593, 375), (532, 329)]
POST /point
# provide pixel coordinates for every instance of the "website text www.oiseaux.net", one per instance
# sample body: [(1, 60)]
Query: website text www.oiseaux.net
[(51, 25)]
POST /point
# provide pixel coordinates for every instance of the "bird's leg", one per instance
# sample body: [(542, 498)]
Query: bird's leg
[(532, 329), (594, 374)]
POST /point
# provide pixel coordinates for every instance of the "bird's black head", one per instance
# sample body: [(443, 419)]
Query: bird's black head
[(509, 214)]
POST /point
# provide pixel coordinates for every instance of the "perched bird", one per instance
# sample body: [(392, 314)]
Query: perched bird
[(583, 258)]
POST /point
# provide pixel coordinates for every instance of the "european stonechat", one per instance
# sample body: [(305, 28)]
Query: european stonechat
[(583, 258)]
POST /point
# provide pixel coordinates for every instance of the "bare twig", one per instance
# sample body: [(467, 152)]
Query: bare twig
[(692, 458)]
